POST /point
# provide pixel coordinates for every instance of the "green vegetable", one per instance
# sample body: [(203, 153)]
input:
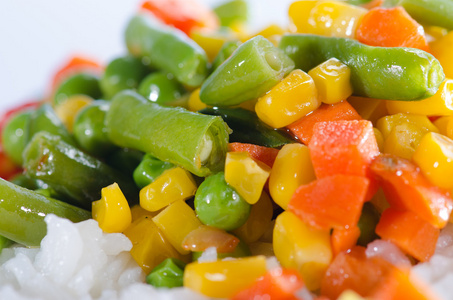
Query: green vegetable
[(122, 73), (357, 2), (167, 274), (167, 49), (15, 136), (161, 88), (194, 141), (125, 160), (90, 131), (252, 70), (80, 83), (232, 12), (28, 183), (70, 172), (22, 127), (149, 169), (22, 213), (376, 72), (4, 243), (430, 12), (218, 204), (248, 128), (227, 49), (367, 224)]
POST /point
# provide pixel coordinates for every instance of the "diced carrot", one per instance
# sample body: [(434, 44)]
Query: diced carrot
[(344, 239), (354, 271), (330, 202), (74, 65), (406, 188), (398, 285), (344, 147), (263, 154), (207, 236), (408, 231), (182, 14), (391, 27), (303, 128), (278, 283)]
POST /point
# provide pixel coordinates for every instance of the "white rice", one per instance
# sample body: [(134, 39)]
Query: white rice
[(78, 261)]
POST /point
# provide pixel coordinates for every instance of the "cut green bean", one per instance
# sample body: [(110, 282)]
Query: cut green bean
[(193, 141), (22, 213), (377, 72)]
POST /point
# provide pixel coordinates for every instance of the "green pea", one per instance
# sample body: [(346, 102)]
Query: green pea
[(149, 169), (168, 274), (161, 88), (218, 204), (122, 73), (367, 224), (80, 83), (90, 131), (231, 12), (15, 136), (241, 250)]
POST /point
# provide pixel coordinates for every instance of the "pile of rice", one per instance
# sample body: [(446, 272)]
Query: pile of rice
[(79, 261)]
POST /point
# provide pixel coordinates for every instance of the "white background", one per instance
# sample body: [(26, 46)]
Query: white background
[(37, 36)]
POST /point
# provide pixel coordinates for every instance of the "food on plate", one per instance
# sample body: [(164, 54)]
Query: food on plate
[(210, 161)]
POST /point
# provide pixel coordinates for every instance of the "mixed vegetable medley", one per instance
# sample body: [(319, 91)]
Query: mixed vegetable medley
[(328, 144)]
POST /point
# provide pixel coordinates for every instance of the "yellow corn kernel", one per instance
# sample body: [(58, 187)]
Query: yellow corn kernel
[(289, 100), (328, 18), (194, 103), (441, 49), (379, 139), (267, 237), (176, 221), (369, 108), (259, 219), (350, 295), (68, 109), (223, 279), (333, 81), (172, 185), (210, 41), (246, 175), (440, 104), (149, 246), (434, 32), (137, 212), (445, 126), (300, 247), (403, 140), (292, 168), (388, 123), (112, 212), (248, 105), (270, 32), (434, 156)]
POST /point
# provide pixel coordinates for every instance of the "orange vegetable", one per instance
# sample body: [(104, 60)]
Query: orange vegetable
[(185, 15), (278, 283), (303, 128), (373, 4), (353, 270), (398, 285), (344, 147), (391, 27), (263, 154), (408, 231), (406, 188), (75, 65), (344, 239), (330, 202), (206, 236)]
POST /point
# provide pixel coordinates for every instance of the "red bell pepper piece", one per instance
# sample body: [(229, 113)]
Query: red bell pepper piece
[(278, 283), (263, 154), (406, 188), (408, 231), (330, 202), (303, 128), (185, 15)]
